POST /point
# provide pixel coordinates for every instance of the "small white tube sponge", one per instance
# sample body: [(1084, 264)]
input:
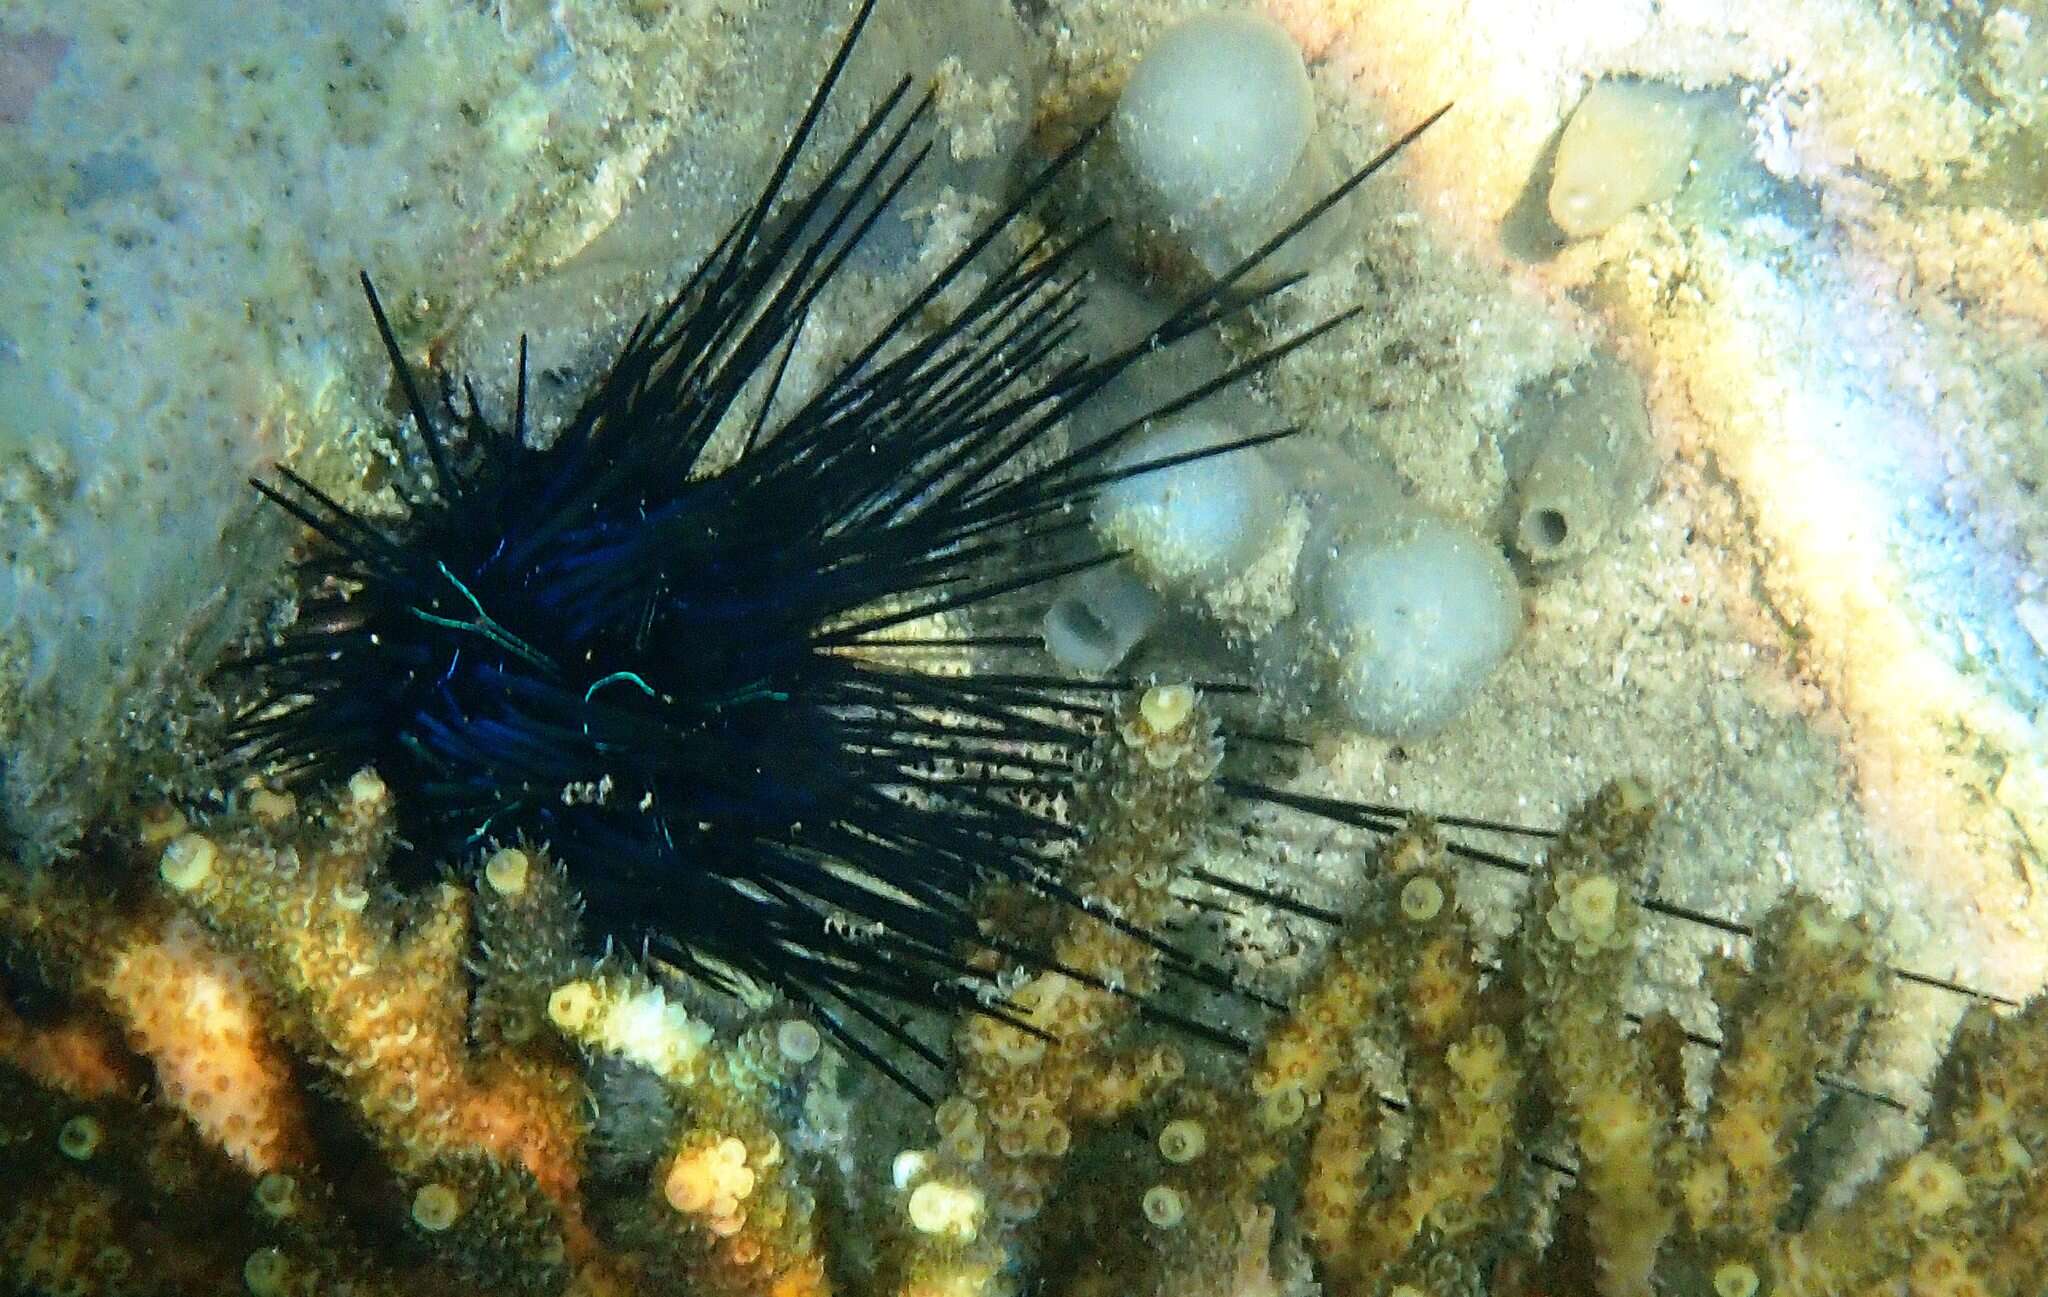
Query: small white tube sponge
[(1197, 524), (1216, 116), (1418, 614)]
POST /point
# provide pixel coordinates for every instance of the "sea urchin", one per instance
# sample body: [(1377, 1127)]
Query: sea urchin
[(651, 641)]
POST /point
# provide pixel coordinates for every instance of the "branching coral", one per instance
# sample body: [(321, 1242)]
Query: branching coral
[(1662, 1198), (746, 1221), (283, 951), (482, 1142), (353, 1086)]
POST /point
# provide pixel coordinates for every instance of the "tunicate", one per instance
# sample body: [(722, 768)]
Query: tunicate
[(506, 871), (946, 1209), (1099, 618), (1216, 134), (1626, 146), (1422, 899), (266, 1272), (1419, 611), (1735, 1279), (798, 1041), (188, 862), (1196, 523), (1581, 461), (1182, 1140), (277, 1194), (1216, 116)]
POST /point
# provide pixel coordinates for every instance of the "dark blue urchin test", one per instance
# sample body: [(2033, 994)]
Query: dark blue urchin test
[(663, 669)]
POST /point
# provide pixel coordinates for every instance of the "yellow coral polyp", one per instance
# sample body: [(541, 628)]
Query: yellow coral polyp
[(691, 1185), (80, 1138), (1052, 1137), (436, 1208), (1480, 1060), (946, 1210), (1165, 1206), (1015, 1046), (188, 861), (1283, 1108), (1422, 899), (967, 1144), (507, 870), (114, 1261), (642, 1024), (1736, 1279), (367, 791), (728, 1223), (1630, 797), (160, 825), (713, 1180), (961, 1277), (1593, 904), (1941, 1270), (2012, 1156), (1704, 1191), (573, 1006), (1749, 1144), (1165, 708), (273, 807), (953, 1114), (1823, 927), (1013, 1141), (1587, 914), (1614, 1120), (736, 1178), (1930, 1184), (1450, 1216), (1182, 1141), (266, 1272)]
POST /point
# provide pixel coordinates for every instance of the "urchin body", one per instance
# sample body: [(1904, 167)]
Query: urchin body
[(664, 668)]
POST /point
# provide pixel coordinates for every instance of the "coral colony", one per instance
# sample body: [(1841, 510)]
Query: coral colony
[(903, 997), (476, 1083)]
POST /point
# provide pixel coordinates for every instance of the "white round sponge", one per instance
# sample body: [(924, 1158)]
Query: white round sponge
[(1216, 116), (1195, 524), (1419, 617)]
